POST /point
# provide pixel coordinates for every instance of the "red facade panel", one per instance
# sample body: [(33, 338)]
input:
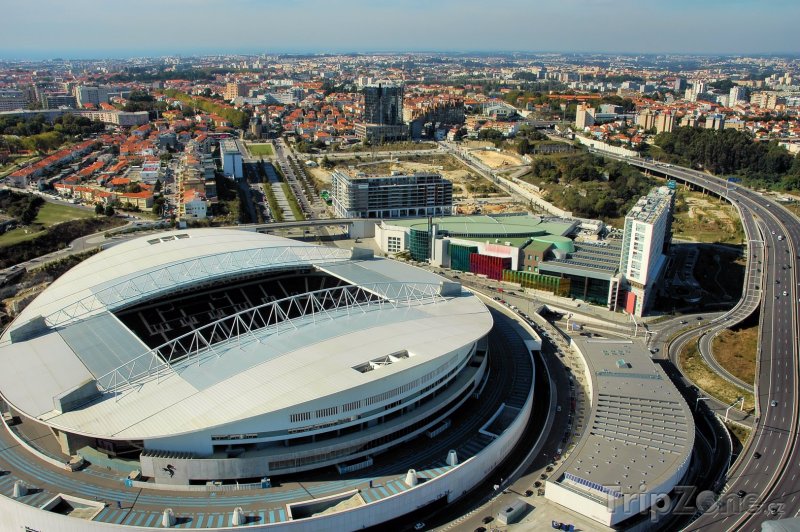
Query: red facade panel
[(630, 302), (491, 267)]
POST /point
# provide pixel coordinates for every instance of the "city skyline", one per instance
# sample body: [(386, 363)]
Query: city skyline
[(80, 30)]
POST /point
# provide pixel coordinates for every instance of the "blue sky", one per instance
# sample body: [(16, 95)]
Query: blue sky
[(115, 28)]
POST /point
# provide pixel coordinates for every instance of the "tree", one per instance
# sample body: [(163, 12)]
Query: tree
[(157, 186), (523, 146), (158, 205), (98, 209), (109, 211), (490, 134)]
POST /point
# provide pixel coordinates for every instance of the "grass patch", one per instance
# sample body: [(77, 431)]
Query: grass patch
[(272, 201), (53, 213), (260, 149), (290, 197), (20, 234), (49, 215), (738, 432), (736, 352), (55, 238), (694, 367)]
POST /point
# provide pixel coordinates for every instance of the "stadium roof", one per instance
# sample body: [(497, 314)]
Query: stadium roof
[(143, 267), (269, 371)]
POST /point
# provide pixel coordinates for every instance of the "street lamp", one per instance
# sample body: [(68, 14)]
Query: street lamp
[(732, 405), (697, 401)]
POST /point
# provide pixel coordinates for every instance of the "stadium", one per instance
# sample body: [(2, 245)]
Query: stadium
[(226, 356)]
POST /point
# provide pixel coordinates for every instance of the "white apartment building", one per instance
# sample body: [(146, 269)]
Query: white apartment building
[(231, 159), (648, 227), (94, 95), (584, 116), (736, 95), (194, 206)]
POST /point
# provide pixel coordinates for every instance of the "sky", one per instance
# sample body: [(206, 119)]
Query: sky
[(40, 29)]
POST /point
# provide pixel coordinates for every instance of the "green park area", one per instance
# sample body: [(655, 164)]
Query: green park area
[(257, 150), (49, 214)]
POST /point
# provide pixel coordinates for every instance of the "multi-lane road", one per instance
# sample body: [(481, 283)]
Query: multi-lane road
[(765, 484)]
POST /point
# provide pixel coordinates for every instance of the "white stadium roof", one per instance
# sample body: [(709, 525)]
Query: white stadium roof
[(147, 265), (269, 370)]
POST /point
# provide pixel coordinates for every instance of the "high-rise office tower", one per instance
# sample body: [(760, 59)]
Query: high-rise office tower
[(383, 104), (383, 114)]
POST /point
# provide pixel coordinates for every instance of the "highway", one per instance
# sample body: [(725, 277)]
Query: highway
[(765, 483)]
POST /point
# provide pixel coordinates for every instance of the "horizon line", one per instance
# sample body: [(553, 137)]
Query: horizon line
[(126, 55)]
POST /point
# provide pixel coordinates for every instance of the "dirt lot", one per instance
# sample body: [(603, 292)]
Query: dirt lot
[(497, 160), (468, 187), (320, 175), (484, 207), (702, 218), (472, 144), (472, 194)]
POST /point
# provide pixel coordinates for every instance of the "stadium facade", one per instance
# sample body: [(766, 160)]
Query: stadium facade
[(216, 355)]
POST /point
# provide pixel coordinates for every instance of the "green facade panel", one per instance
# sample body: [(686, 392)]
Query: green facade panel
[(419, 244), (459, 256), (537, 281)]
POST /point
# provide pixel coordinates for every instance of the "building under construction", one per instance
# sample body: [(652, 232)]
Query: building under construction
[(427, 117)]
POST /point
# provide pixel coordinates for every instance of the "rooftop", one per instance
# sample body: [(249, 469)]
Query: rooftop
[(228, 146), (593, 259), (485, 226), (650, 207), (363, 175), (640, 430)]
